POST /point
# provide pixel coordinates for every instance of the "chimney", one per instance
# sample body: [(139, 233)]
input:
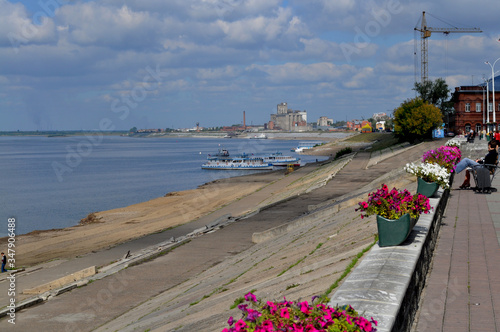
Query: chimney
[(244, 121)]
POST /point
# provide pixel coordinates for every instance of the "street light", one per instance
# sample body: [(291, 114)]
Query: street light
[(493, 87)]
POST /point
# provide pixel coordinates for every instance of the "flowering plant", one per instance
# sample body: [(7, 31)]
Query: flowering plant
[(453, 142), (288, 316), (446, 156), (430, 173), (394, 204)]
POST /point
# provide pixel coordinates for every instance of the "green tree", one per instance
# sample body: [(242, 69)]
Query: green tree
[(435, 93), (133, 130), (415, 119), (389, 123), (373, 123)]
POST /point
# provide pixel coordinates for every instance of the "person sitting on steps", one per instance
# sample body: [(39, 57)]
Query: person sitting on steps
[(490, 158)]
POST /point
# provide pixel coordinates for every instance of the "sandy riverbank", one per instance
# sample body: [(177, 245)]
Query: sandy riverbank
[(123, 224)]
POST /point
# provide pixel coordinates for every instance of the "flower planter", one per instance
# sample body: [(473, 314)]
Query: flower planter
[(394, 232), (428, 189)]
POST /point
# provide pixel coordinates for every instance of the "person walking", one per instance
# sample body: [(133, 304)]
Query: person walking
[(4, 262)]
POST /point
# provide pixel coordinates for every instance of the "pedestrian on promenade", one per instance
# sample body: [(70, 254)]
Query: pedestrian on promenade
[(4, 262), (490, 158)]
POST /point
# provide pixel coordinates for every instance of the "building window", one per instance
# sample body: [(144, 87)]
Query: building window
[(478, 107), (467, 127), (478, 127), (467, 107), (490, 107)]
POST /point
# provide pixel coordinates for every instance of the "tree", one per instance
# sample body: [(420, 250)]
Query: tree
[(373, 123), (389, 123), (435, 93), (133, 130), (415, 119)]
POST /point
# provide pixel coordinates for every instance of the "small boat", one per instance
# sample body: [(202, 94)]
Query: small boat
[(306, 145), (243, 162), (259, 136), (278, 159)]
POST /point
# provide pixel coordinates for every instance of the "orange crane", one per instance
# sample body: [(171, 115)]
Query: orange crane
[(425, 33)]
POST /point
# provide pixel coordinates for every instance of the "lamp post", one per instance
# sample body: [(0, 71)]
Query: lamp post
[(487, 107), (493, 87)]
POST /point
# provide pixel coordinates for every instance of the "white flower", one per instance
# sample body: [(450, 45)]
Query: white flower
[(430, 173)]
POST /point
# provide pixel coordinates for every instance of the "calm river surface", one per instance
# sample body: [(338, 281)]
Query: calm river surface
[(54, 182)]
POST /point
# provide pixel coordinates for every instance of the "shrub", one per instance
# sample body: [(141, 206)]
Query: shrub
[(342, 152)]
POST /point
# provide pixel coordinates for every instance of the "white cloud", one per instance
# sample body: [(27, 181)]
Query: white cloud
[(96, 25), (17, 28), (220, 54)]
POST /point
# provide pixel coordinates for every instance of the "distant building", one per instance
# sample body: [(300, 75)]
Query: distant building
[(378, 116), (142, 131), (357, 125), (288, 119), (323, 121), (380, 125)]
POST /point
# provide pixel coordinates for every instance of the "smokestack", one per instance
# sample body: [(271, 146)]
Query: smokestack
[(244, 121)]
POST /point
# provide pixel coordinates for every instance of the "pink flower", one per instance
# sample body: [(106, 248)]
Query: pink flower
[(240, 326), (284, 313), (250, 297), (304, 307)]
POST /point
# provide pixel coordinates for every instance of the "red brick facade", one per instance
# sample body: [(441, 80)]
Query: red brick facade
[(470, 110)]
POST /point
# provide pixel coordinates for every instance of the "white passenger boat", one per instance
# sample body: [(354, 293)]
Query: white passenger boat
[(278, 159), (243, 162)]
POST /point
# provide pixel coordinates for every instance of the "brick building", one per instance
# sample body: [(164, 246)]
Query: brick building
[(470, 108)]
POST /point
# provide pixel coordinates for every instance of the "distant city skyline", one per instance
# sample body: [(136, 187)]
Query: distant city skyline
[(85, 65)]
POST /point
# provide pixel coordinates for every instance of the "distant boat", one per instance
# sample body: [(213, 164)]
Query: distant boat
[(306, 145), (222, 161), (278, 159), (259, 136)]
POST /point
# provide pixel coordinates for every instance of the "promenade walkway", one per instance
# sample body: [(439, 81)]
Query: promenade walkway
[(463, 288)]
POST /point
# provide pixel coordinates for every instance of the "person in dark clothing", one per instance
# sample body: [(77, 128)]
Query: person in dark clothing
[(490, 159), (4, 262)]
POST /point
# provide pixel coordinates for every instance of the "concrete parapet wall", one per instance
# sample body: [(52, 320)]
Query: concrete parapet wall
[(388, 282)]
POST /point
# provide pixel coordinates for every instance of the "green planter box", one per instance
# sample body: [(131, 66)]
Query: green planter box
[(428, 189), (394, 232)]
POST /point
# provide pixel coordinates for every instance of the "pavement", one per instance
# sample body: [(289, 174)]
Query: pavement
[(463, 287), (87, 308)]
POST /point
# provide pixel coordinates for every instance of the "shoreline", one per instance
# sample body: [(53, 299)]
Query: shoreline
[(120, 225)]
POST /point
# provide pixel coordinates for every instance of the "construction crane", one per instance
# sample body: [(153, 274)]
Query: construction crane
[(425, 33)]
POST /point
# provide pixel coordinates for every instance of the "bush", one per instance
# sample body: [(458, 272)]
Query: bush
[(342, 152)]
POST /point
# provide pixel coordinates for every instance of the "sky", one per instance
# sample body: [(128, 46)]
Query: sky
[(109, 64)]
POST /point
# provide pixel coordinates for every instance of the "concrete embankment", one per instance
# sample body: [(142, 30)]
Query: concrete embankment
[(192, 287)]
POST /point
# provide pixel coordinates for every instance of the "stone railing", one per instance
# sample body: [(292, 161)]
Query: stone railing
[(388, 282)]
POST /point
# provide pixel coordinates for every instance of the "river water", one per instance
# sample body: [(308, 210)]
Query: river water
[(53, 182)]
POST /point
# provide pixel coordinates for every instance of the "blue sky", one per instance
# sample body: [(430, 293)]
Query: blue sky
[(172, 63)]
